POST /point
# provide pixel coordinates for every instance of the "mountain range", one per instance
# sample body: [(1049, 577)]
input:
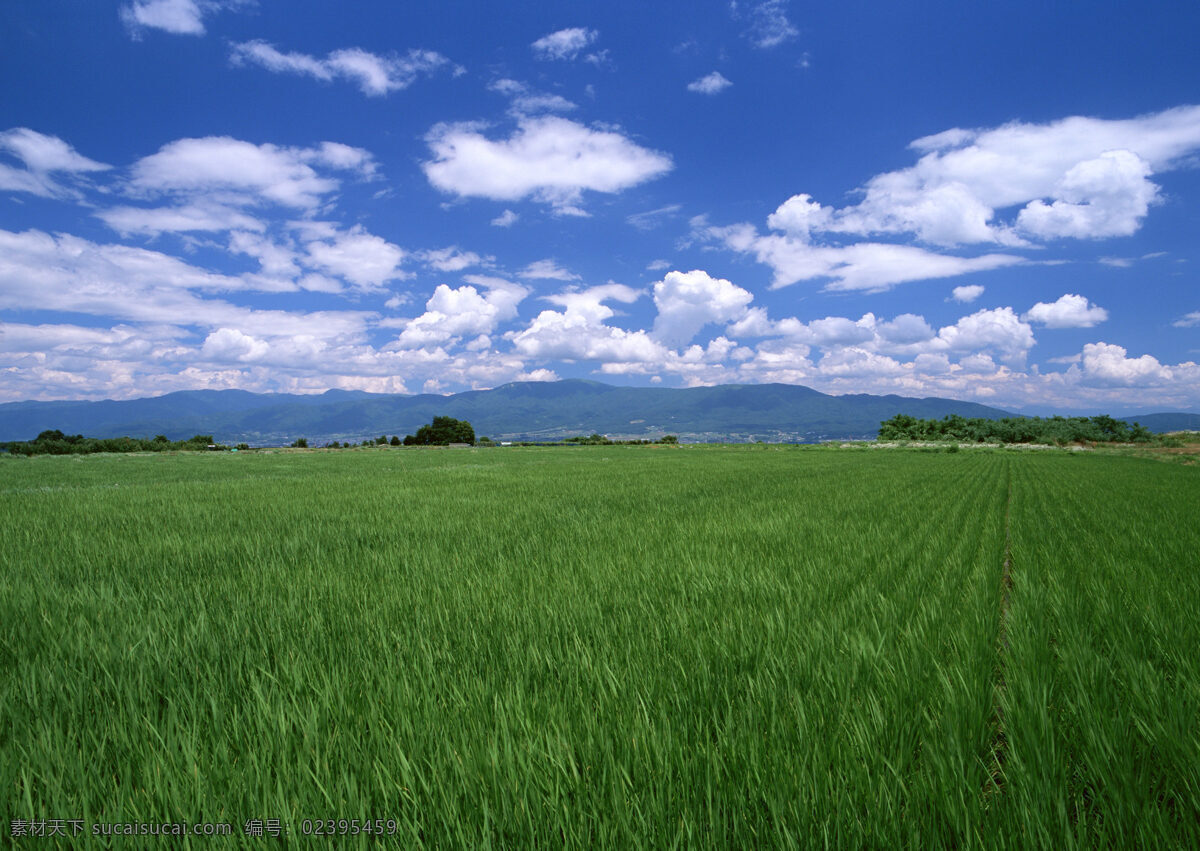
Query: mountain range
[(523, 410)]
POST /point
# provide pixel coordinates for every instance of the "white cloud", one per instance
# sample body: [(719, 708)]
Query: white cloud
[(42, 156), (1105, 196), (687, 301), (525, 101), (230, 344), (710, 84), (452, 259), (42, 153), (547, 270), (276, 261), (507, 86), (374, 75), (578, 331), (180, 17), (563, 44), (549, 158), (966, 294), (799, 216), (756, 323), (534, 103), (905, 329), (365, 260), (453, 313), (1077, 177), (1070, 311), (650, 219), (853, 362), (837, 331), (1104, 363), (1190, 320), (198, 216), (506, 219), (72, 275), (769, 25), (998, 330), (868, 266), (243, 173), (658, 265), (180, 337)]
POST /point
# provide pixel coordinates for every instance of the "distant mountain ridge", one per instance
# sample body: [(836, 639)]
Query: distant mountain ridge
[(523, 410)]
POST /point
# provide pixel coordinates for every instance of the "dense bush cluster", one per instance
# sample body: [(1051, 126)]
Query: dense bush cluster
[(54, 442), (1049, 430)]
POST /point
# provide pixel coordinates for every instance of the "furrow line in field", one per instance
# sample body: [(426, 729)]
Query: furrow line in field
[(999, 747)]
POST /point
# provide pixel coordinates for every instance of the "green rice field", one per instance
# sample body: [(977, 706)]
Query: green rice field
[(606, 647)]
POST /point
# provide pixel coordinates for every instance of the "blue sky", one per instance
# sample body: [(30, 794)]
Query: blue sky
[(994, 202)]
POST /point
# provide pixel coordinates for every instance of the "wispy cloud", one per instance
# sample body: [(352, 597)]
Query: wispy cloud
[(374, 75)]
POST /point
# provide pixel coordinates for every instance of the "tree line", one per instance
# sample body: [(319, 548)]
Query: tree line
[(54, 442), (1047, 430)]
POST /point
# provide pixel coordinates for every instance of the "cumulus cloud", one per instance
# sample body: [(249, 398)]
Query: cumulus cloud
[(374, 75), (905, 329), (177, 335), (230, 344), (1105, 196), (563, 44), (506, 219), (1070, 311), (453, 313), (578, 332), (966, 294), (710, 84), (1081, 178), (999, 330), (1078, 177), (687, 301), (551, 159), (1104, 363)]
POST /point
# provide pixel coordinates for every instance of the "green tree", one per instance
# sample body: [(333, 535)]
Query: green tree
[(442, 432)]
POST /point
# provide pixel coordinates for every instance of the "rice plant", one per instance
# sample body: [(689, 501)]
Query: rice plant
[(598, 646)]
